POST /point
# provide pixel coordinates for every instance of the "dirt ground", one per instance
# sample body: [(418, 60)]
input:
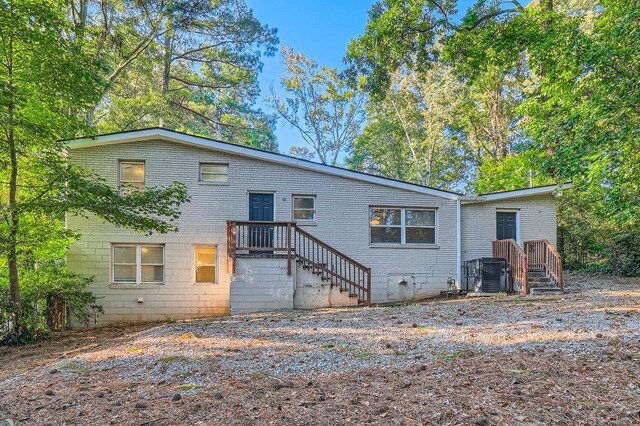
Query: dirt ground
[(571, 359)]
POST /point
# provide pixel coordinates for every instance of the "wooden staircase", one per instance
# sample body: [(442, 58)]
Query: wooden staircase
[(534, 269), (265, 239)]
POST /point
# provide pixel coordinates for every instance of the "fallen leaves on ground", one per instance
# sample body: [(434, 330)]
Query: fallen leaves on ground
[(565, 359)]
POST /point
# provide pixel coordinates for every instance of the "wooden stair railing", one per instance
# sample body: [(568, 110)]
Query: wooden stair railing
[(543, 255), (343, 271), (517, 261), (257, 239)]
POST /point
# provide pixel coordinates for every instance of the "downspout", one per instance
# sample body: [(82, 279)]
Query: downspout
[(458, 243)]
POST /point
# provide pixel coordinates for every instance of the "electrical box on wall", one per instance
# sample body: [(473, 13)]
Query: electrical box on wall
[(407, 286)]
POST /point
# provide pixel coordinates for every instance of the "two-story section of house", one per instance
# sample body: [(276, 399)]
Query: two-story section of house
[(267, 231)]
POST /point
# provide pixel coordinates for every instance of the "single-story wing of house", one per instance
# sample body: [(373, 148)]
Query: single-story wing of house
[(266, 231)]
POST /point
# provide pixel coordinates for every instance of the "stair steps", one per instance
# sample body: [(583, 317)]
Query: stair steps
[(541, 283), (287, 240), (324, 277)]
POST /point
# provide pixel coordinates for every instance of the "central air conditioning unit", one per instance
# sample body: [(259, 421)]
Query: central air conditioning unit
[(485, 275)]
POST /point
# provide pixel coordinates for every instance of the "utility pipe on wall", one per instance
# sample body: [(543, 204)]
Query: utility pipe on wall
[(458, 243)]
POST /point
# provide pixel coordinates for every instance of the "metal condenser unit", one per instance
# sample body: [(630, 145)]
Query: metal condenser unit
[(485, 275)]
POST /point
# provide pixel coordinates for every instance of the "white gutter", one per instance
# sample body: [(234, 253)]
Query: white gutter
[(458, 244), (172, 136), (526, 192)]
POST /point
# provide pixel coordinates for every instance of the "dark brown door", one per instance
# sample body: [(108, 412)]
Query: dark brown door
[(506, 225)]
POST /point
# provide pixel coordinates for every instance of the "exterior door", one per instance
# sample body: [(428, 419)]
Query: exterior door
[(261, 210), (506, 225)]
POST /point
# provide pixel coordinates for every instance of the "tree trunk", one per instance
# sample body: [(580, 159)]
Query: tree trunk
[(12, 237), (166, 71), (14, 222), (551, 145)]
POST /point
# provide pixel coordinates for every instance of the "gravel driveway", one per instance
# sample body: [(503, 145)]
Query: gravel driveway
[(570, 359)]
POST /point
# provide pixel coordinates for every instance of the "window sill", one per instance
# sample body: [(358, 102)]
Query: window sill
[(213, 183), (124, 286), (405, 246), (307, 223), (206, 284)]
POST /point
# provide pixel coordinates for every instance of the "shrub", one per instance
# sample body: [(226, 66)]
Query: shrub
[(50, 297)]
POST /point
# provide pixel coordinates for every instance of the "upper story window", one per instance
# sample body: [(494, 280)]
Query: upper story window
[(131, 176), (304, 208), (214, 173), (402, 226), (138, 263)]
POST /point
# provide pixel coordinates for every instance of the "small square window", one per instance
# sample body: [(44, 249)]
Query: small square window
[(214, 173), (205, 264), (304, 208), (131, 176)]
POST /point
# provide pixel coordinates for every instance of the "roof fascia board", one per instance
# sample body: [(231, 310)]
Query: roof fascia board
[(151, 134), (527, 192)]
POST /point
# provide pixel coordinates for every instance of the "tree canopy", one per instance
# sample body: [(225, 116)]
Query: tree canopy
[(188, 65), (547, 93), (322, 104)]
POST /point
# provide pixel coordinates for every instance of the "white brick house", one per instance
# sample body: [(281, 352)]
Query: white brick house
[(380, 239)]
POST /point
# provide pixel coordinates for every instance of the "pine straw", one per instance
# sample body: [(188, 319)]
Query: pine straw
[(426, 376)]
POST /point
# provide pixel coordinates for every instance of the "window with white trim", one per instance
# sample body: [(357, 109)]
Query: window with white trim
[(131, 176), (214, 173), (402, 225), (205, 263), (304, 208), (138, 263)]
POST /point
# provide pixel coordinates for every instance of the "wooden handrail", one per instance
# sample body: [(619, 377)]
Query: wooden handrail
[(542, 254), (330, 272), (287, 238), (260, 222), (517, 261), (328, 247)]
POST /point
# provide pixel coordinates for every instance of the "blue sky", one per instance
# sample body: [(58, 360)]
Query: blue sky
[(321, 29)]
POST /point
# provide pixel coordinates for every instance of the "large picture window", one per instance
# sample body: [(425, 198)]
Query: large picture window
[(131, 176), (138, 263), (402, 225)]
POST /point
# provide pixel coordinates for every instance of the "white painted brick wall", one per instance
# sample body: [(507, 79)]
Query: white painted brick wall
[(537, 220), (342, 221), (261, 285), (311, 292)]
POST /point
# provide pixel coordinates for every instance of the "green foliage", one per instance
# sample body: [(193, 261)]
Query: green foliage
[(187, 65), (399, 34), (43, 242), (415, 121), (515, 171), (47, 82), (551, 87)]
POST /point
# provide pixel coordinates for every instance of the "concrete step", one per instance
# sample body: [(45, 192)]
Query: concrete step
[(545, 290), (543, 285), (539, 280)]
